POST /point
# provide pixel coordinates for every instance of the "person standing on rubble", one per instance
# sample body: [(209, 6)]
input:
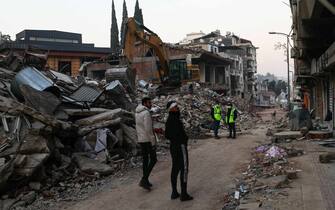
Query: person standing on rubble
[(146, 139), (230, 120), (216, 113), (175, 133)]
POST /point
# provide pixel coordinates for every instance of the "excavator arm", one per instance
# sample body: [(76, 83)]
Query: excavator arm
[(137, 32)]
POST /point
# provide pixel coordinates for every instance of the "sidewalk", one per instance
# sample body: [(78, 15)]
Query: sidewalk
[(315, 187)]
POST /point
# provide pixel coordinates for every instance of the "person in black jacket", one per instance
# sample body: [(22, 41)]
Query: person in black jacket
[(175, 133)]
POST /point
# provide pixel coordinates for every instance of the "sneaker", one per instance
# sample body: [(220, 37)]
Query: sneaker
[(186, 197), (175, 195), (144, 185), (217, 137)]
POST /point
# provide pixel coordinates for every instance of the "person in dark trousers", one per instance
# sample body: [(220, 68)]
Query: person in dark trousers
[(175, 133), (216, 114), (230, 120), (146, 139)]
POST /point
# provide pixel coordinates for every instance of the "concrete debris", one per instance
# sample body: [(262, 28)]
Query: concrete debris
[(47, 118), (274, 182), (317, 135), (292, 174), (249, 206), (286, 135), (327, 143), (268, 172), (327, 158), (59, 132), (195, 109), (91, 166), (36, 186)]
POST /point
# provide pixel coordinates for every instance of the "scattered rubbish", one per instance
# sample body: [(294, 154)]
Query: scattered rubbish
[(267, 174), (275, 152), (237, 195)]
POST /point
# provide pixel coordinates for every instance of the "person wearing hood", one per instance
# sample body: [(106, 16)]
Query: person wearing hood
[(175, 133), (146, 139)]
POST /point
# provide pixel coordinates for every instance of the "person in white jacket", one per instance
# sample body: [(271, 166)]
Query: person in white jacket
[(146, 139)]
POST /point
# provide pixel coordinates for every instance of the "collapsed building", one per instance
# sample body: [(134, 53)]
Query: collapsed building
[(65, 51), (241, 54)]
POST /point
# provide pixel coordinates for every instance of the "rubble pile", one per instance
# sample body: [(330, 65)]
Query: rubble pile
[(195, 108), (57, 129), (267, 174), (60, 133)]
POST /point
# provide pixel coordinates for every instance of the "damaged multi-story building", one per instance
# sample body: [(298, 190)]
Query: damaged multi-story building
[(314, 54), (240, 73), (66, 51)]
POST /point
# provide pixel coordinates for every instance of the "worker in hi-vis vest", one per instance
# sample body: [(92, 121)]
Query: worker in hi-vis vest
[(216, 113), (230, 119)]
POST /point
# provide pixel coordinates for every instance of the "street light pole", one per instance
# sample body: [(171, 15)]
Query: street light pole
[(288, 73), (288, 65)]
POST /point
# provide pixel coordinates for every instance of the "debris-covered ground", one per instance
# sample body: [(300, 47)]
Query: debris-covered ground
[(61, 136)]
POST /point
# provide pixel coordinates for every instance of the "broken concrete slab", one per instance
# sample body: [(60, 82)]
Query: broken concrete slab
[(286, 135), (20, 161), (33, 162), (15, 108), (275, 181), (327, 158), (87, 129), (36, 100), (34, 144), (5, 172), (85, 112), (105, 116), (91, 166), (291, 174), (130, 136)]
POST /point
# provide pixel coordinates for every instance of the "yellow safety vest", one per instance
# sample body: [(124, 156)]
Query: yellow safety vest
[(230, 118), (217, 113)]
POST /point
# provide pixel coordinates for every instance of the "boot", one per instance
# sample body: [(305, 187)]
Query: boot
[(184, 195), (144, 184), (174, 195), (148, 183)]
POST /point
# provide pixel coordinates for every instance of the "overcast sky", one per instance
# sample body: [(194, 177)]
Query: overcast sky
[(170, 19)]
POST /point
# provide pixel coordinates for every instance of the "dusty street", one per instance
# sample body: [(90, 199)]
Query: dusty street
[(213, 166)]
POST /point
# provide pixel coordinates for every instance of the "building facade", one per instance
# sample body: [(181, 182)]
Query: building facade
[(314, 54)]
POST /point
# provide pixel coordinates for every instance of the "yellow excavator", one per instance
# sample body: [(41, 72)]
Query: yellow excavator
[(171, 73)]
